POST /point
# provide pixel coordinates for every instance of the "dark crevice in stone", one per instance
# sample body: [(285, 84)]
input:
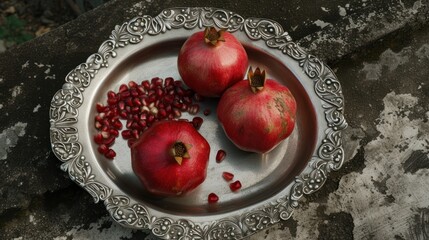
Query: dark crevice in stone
[(336, 226), (419, 229), (418, 160), (381, 185), (291, 224), (9, 214), (51, 213)]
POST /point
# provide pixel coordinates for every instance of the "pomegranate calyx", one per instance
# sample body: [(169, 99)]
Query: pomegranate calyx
[(212, 36), (256, 79), (180, 151)]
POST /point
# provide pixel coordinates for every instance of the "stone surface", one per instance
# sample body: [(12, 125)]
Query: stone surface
[(380, 53)]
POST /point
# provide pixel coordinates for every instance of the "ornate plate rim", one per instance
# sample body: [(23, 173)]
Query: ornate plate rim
[(67, 148)]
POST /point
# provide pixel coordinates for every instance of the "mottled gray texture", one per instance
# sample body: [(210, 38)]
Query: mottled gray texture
[(380, 52)]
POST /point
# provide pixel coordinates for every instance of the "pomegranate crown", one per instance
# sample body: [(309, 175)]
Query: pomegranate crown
[(212, 36), (179, 151), (256, 79)]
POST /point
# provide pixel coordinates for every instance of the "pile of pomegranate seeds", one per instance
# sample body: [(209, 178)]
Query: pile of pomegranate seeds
[(139, 106)]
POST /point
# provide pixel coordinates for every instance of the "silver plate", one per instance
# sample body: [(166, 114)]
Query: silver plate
[(273, 183)]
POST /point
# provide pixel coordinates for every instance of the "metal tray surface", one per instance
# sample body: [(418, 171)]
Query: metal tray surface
[(273, 183)]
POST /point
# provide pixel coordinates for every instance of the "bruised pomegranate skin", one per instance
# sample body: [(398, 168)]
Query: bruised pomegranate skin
[(210, 69), (257, 122), (158, 170)]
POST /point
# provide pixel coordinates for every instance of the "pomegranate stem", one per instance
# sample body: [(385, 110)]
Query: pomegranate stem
[(256, 79), (179, 151), (212, 36)]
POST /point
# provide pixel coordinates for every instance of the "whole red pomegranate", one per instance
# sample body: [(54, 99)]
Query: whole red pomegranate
[(257, 114), (210, 61), (170, 158)]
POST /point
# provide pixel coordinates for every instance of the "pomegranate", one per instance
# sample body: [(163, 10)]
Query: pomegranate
[(170, 158), (257, 114), (210, 61)]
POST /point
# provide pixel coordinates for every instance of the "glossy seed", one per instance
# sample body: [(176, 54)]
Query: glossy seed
[(207, 112), (110, 154), (227, 176), (212, 198), (197, 122), (220, 155), (102, 148), (235, 186)]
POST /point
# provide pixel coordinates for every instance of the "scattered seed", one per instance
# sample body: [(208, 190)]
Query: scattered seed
[(235, 186), (110, 154), (227, 176), (220, 155), (197, 122), (212, 198)]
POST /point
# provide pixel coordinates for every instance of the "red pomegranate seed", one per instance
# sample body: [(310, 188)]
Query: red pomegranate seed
[(162, 113), (227, 176), (126, 134), (124, 95), (100, 117), (110, 154), (123, 114), (168, 82), (102, 148), (137, 102), (141, 90), (134, 92), (132, 84), (180, 92), (150, 118), (177, 104), (129, 123), (187, 100), (129, 102), (98, 125), (109, 141), (98, 138), (123, 88), (159, 92), (220, 155), (112, 101), (212, 198), (142, 124), (100, 108), (235, 186), (111, 94), (197, 122), (168, 99), (146, 84), (156, 82), (207, 112), (114, 132), (117, 125), (178, 83), (135, 133)]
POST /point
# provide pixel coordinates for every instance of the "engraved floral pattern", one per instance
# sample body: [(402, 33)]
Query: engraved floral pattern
[(65, 139)]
